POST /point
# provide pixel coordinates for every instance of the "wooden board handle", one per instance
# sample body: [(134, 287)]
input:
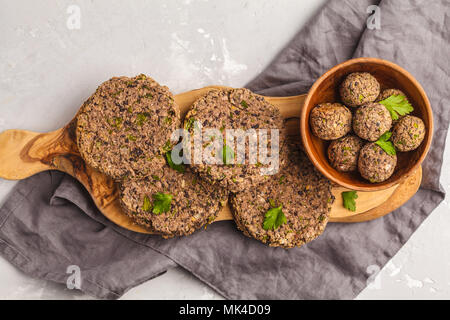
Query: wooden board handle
[(25, 153)]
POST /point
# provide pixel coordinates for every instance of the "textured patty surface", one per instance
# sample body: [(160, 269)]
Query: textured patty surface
[(194, 203), (305, 196), (125, 126), (234, 109)]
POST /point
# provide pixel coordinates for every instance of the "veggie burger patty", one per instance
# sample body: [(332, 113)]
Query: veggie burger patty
[(125, 126), (234, 109), (289, 209), (171, 203)]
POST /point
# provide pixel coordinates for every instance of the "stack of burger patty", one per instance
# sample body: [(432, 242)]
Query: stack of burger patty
[(125, 129)]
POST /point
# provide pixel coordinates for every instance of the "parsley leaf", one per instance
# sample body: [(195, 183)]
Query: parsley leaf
[(386, 136), (146, 206), (227, 154), (349, 200), (178, 167), (386, 145), (244, 104), (161, 202), (274, 218), (397, 105)]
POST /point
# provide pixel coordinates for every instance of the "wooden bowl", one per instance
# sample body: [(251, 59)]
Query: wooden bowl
[(326, 89)]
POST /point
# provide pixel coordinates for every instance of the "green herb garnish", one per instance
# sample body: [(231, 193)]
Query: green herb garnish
[(178, 167), (274, 218), (227, 154), (349, 200), (397, 105), (161, 202), (244, 104), (385, 144)]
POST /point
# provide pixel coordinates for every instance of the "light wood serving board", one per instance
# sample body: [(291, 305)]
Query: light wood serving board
[(25, 153)]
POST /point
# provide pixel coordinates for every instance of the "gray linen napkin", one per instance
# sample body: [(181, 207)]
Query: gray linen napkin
[(49, 221)]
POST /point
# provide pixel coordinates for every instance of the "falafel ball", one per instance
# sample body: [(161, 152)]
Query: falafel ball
[(391, 92), (371, 121), (386, 93), (374, 164), (330, 121), (408, 133), (359, 88), (343, 153)]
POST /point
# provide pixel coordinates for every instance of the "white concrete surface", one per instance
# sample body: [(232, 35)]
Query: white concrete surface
[(48, 67)]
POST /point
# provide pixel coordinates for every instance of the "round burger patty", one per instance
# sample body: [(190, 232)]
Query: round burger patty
[(299, 190), (234, 109), (125, 126), (190, 203)]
